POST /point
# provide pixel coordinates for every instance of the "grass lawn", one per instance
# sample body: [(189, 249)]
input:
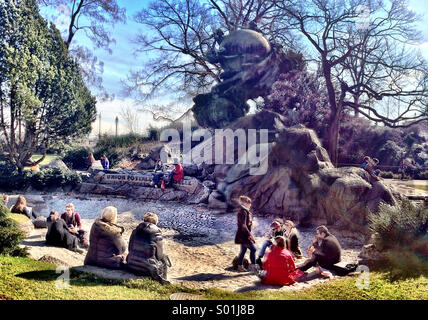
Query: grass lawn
[(420, 187), (27, 279), (46, 160)]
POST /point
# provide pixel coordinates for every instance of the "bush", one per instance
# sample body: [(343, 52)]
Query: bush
[(401, 233), (10, 234), (77, 158), (121, 141), (54, 177), (10, 179), (387, 174)]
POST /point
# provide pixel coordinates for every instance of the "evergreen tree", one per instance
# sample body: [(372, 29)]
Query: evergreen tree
[(42, 95)]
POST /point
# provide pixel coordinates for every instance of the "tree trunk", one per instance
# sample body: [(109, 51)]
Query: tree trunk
[(333, 138)]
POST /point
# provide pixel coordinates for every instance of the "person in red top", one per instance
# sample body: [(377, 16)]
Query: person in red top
[(177, 174), (279, 266)]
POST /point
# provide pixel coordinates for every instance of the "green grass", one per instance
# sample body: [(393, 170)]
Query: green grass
[(19, 218), (48, 159), (27, 279), (420, 187)]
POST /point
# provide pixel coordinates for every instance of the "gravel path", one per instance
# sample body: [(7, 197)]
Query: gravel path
[(199, 242)]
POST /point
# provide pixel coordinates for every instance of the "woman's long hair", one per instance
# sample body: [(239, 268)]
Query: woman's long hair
[(293, 227), (19, 205)]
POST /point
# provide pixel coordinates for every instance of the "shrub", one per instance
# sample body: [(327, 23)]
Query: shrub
[(10, 234), (401, 233), (387, 174), (121, 141), (54, 177), (10, 179), (399, 225), (77, 158)]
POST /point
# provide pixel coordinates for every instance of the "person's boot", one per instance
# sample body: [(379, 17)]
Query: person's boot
[(78, 250), (253, 268), (259, 262), (241, 269)]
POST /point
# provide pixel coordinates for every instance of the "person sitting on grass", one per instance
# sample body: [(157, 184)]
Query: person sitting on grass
[(146, 255), (72, 218), (324, 253), (279, 267), (276, 230), (107, 247), (59, 235), (20, 207)]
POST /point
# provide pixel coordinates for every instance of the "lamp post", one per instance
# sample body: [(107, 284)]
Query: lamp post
[(117, 122)]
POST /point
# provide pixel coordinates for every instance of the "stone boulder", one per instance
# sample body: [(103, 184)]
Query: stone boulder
[(370, 255), (40, 222), (56, 163), (24, 224)]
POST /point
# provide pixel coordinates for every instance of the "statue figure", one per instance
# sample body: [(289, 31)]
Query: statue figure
[(250, 66)]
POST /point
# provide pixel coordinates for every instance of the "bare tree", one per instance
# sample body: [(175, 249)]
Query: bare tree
[(363, 58), (182, 33), (91, 17), (131, 118)]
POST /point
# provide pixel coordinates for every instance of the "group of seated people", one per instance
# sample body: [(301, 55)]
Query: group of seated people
[(107, 247), (66, 230), (278, 267), (163, 178)]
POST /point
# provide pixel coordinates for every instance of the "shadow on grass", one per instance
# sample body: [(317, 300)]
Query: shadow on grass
[(211, 277), (44, 275)]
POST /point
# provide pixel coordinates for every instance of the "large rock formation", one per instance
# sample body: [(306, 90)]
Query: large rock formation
[(300, 183)]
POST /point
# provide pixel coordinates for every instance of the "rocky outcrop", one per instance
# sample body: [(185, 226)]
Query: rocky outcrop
[(300, 182)]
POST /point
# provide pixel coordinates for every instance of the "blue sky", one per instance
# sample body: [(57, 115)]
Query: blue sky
[(123, 59)]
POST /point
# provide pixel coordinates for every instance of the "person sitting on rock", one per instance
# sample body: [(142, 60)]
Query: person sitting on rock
[(20, 207), (158, 174), (59, 235), (279, 267), (177, 174), (72, 218), (276, 230), (5, 200), (146, 255), (292, 237), (324, 253), (104, 162), (244, 236), (107, 247), (369, 165)]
